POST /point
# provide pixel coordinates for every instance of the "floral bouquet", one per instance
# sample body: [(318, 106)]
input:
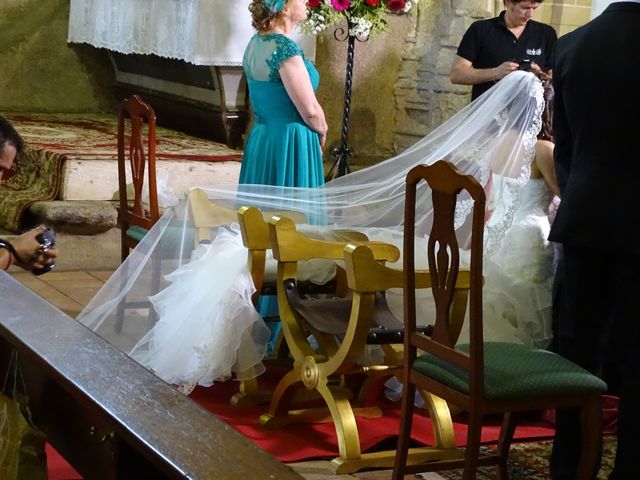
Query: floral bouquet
[(363, 16)]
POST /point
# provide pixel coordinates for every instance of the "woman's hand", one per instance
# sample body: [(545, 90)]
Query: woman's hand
[(323, 138)]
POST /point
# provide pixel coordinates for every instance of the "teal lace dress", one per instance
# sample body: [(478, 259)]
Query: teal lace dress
[(281, 149)]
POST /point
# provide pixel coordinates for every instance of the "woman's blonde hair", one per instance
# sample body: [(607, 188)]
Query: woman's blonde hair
[(263, 19)]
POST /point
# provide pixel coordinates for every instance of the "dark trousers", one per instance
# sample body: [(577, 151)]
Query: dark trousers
[(597, 326)]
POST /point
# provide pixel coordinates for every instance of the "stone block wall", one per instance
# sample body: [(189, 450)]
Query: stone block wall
[(424, 96)]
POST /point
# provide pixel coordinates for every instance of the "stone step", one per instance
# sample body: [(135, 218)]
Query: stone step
[(76, 217), (98, 179)]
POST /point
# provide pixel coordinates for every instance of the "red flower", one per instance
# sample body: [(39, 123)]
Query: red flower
[(314, 3), (372, 3), (396, 5), (340, 4)]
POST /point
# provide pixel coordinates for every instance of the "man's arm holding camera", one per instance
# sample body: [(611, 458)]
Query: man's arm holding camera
[(463, 72), (33, 250)]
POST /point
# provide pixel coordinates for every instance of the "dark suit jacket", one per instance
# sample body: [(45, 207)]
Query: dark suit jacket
[(596, 77)]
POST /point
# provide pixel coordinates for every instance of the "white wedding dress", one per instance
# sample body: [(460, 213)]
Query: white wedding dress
[(208, 329), (517, 292)]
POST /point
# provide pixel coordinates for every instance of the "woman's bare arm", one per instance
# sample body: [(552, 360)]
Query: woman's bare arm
[(544, 167), (297, 83)]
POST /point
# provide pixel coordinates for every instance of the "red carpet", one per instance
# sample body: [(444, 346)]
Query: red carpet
[(297, 442), (58, 468)]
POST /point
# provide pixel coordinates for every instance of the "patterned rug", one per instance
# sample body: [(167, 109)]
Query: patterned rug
[(54, 138), (530, 461), (35, 176), (93, 136)]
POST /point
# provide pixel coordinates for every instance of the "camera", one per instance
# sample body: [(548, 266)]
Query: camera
[(525, 65), (47, 240)]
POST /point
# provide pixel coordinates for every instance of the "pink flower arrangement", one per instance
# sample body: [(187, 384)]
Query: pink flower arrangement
[(340, 5), (363, 16)]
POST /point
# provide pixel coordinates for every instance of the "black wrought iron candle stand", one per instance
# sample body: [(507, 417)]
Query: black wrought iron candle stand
[(344, 152)]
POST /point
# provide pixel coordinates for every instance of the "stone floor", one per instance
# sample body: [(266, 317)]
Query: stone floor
[(70, 291)]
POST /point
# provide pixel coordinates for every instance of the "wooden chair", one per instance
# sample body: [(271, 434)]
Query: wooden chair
[(206, 215), (342, 328), (135, 117), (254, 228), (481, 377), (140, 155)]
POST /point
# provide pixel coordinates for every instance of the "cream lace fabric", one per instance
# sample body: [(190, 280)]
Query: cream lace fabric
[(202, 32), (207, 329)]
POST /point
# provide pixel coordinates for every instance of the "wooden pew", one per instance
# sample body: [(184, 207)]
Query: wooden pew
[(107, 415)]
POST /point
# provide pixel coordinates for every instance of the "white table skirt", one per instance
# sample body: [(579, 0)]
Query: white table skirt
[(202, 32)]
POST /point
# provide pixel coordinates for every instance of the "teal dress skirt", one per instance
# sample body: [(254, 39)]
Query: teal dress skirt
[(281, 150)]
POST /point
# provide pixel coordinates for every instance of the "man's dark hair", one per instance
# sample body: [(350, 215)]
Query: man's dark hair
[(9, 134)]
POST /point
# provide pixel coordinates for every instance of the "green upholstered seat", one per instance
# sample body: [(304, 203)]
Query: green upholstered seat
[(136, 233), (515, 371)]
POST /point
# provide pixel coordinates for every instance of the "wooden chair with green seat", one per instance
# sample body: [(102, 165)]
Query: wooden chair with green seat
[(342, 327), (136, 136), (481, 378), (138, 155)]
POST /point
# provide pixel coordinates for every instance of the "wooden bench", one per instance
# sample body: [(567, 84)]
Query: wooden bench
[(109, 416)]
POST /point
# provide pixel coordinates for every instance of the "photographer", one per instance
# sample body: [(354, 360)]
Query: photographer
[(491, 49), (33, 250)]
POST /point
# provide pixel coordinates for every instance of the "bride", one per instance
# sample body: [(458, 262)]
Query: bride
[(207, 329)]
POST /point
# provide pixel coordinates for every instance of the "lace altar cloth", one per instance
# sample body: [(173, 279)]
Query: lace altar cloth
[(202, 32)]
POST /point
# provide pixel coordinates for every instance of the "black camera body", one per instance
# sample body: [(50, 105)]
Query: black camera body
[(47, 240), (525, 65)]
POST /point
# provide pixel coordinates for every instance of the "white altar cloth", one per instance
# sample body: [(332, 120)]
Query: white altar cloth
[(202, 32)]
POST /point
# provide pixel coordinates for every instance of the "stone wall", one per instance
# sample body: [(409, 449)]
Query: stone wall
[(424, 96), (401, 89), (40, 71), (377, 63)]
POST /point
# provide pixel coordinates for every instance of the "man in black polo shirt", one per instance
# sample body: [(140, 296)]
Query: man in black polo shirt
[(491, 49)]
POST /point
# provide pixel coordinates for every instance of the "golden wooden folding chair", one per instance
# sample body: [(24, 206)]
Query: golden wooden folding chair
[(342, 327), (206, 215), (254, 228)]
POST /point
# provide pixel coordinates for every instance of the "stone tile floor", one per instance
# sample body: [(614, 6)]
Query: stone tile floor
[(70, 291)]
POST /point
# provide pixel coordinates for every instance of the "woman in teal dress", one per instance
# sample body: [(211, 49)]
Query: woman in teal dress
[(284, 147)]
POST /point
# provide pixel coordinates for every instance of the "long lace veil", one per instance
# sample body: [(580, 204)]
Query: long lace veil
[(492, 139)]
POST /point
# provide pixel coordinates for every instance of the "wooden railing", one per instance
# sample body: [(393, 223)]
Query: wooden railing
[(107, 415)]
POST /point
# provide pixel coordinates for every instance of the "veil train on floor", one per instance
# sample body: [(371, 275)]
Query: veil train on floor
[(207, 328)]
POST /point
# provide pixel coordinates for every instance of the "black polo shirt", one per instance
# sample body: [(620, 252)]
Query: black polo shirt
[(488, 43)]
